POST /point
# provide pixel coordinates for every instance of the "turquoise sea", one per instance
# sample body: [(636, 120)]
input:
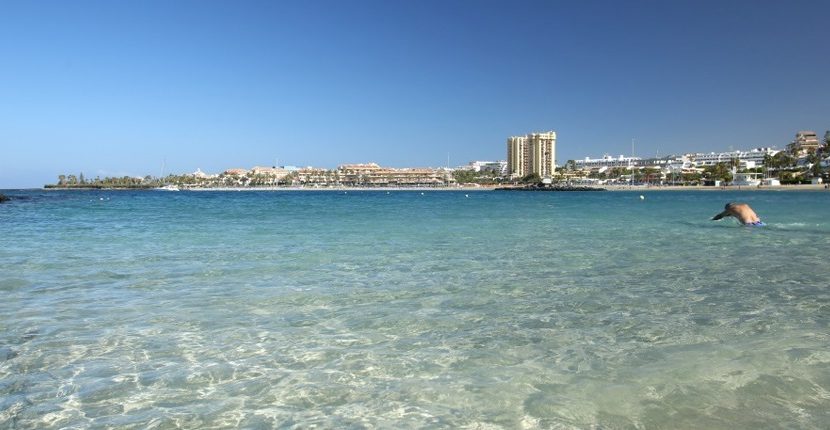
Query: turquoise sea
[(410, 309)]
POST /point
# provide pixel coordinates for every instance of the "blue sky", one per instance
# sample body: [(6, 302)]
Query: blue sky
[(120, 87)]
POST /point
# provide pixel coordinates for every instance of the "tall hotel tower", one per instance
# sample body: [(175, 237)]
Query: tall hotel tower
[(532, 153)]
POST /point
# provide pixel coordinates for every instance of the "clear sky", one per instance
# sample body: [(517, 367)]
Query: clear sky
[(121, 87)]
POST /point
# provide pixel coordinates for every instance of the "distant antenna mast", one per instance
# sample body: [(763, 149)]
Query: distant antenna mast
[(630, 164)]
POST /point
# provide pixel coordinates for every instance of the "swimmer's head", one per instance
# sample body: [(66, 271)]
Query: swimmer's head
[(727, 211)]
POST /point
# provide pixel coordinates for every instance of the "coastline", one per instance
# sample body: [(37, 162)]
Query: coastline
[(340, 189), (615, 188), (198, 189), (799, 187)]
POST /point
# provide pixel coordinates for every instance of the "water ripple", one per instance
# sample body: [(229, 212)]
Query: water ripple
[(300, 310)]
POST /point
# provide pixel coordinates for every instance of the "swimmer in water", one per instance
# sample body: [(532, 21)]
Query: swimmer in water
[(742, 212)]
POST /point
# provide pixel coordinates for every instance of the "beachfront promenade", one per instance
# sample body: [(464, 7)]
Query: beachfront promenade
[(798, 187)]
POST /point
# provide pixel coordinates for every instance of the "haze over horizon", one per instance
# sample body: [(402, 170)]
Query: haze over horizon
[(118, 88)]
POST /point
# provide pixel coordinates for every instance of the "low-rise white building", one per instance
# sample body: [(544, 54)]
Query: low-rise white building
[(747, 159), (753, 157), (499, 167), (606, 161)]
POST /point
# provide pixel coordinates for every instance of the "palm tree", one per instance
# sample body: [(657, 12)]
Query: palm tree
[(650, 173), (532, 178), (815, 160), (719, 172), (689, 178), (782, 160)]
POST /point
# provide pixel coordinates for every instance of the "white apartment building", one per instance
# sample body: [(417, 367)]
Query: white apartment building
[(747, 159), (665, 164), (531, 153), (606, 161), (751, 158), (499, 167)]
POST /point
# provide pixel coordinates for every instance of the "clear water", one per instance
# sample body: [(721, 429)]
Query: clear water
[(402, 310)]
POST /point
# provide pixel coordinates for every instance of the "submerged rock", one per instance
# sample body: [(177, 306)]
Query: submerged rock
[(3, 198), (7, 353)]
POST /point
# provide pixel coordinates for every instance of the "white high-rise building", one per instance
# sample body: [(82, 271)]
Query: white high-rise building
[(532, 153)]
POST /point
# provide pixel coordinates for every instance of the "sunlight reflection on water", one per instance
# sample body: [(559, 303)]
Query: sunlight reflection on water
[(408, 311)]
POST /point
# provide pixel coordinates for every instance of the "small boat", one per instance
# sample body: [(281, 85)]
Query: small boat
[(168, 187), (747, 179)]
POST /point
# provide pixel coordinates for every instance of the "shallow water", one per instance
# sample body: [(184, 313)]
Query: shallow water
[(401, 310)]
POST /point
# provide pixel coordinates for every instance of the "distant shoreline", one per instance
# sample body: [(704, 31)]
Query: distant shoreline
[(616, 188), (799, 187), (482, 188), (340, 189)]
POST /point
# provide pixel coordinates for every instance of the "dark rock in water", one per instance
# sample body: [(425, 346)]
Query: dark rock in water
[(7, 353), (29, 335), (3, 198)]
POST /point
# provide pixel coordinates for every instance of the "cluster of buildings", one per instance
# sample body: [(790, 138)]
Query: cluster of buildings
[(806, 142), (677, 163), (365, 175), (533, 153), (372, 175)]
